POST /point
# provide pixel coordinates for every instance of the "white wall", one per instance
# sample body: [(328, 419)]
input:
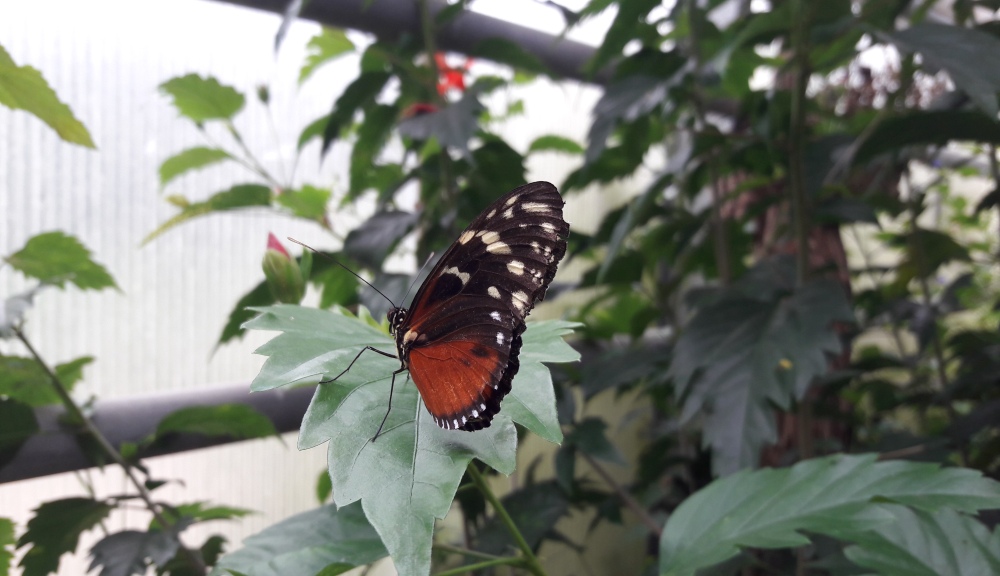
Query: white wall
[(106, 58)]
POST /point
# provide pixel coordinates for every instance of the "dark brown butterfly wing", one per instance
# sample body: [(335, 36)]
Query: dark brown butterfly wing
[(462, 336)]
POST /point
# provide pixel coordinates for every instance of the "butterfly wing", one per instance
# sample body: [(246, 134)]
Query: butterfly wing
[(462, 335)]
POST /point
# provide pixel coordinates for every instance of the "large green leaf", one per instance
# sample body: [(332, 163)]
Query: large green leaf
[(190, 159), (921, 543), (452, 126), (324, 47), (304, 544), (759, 343), (928, 127), (236, 420), (362, 91), (237, 197), (971, 57), (375, 239), (408, 477), (6, 542), (372, 136), (623, 28), (555, 143), (24, 88), (55, 530), (837, 496), (55, 258), (308, 202), (203, 99), (24, 380)]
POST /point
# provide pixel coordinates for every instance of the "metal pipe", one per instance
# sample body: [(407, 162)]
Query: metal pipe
[(389, 19), (54, 450)]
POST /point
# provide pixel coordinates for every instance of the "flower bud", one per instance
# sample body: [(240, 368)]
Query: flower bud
[(284, 277)]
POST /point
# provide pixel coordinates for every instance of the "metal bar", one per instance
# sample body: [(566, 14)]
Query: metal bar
[(54, 450), (389, 19)]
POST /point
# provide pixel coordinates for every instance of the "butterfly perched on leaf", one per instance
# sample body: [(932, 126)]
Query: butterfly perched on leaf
[(461, 337)]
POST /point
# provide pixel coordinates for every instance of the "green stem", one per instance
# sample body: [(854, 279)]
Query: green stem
[(466, 552), (530, 561), (796, 140), (106, 446), (482, 565)]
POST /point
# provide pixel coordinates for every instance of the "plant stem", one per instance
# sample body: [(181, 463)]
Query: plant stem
[(627, 498), (796, 140), (719, 234), (995, 173), (530, 561), (467, 552), (106, 446), (481, 565)]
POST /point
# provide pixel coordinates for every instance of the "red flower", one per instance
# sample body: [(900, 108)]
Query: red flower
[(449, 76), (273, 244)]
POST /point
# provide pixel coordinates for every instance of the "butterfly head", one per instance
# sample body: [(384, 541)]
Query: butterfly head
[(396, 317)]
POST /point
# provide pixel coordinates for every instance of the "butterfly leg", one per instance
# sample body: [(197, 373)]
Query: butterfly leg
[(355, 360), (392, 386)]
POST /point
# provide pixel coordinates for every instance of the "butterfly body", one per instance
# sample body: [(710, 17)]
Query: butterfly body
[(461, 337)]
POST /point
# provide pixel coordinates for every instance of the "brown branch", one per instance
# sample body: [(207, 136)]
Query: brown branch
[(627, 498)]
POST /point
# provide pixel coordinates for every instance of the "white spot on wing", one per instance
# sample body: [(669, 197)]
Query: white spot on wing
[(492, 291), (463, 276), (548, 226), (498, 248), (463, 420), (410, 336), (475, 413), (466, 236), (455, 422), (492, 213), (489, 237), (535, 207), (515, 267), (512, 199), (500, 338), (508, 213), (483, 406), (538, 249), (520, 300), (495, 315)]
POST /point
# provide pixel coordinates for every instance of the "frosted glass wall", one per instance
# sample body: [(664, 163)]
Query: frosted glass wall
[(105, 58)]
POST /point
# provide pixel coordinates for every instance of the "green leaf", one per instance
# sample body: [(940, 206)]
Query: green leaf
[(260, 296), (17, 424), (452, 126), (967, 54), (55, 258), (408, 477), (202, 99), (6, 541), (23, 379), (198, 512), (324, 487), (920, 543), (55, 530), (758, 344), (922, 128), (236, 420), (237, 197), (362, 91), (190, 159), (324, 47), (306, 543), (623, 28), (24, 88), (588, 436), (510, 53), (835, 496), (309, 202), (69, 373), (557, 143), (372, 136), (125, 553), (375, 239), (315, 129)]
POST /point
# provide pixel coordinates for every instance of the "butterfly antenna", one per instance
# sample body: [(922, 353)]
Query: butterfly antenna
[(426, 262), (332, 259)]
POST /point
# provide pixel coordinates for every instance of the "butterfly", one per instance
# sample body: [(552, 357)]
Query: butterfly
[(461, 337)]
